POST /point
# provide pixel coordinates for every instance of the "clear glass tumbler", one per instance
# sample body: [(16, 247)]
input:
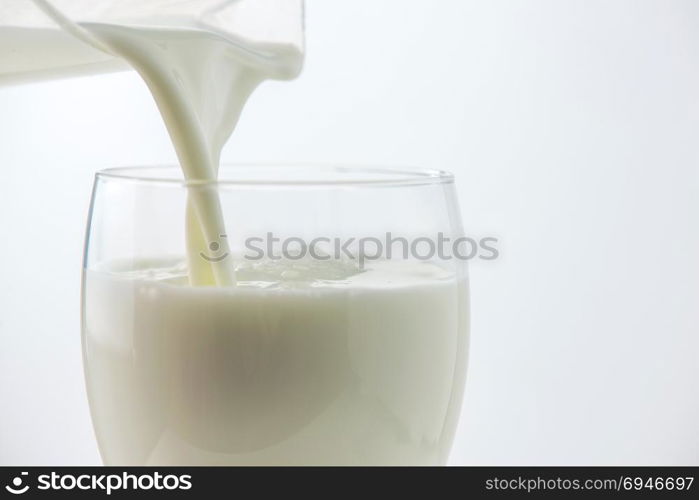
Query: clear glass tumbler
[(342, 340)]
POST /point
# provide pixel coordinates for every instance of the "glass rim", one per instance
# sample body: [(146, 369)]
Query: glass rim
[(278, 174)]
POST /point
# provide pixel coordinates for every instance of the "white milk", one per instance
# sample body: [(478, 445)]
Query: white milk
[(39, 53), (200, 82), (362, 370)]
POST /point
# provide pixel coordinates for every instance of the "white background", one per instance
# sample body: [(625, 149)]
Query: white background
[(572, 127)]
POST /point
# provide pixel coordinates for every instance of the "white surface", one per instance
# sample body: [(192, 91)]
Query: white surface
[(572, 127)]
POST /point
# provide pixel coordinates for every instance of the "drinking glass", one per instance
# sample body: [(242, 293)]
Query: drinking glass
[(342, 340)]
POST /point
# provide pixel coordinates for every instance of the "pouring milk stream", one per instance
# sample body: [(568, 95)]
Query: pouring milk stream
[(201, 61)]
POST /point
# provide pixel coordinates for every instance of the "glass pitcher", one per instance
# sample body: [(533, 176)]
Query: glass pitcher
[(44, 39)]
